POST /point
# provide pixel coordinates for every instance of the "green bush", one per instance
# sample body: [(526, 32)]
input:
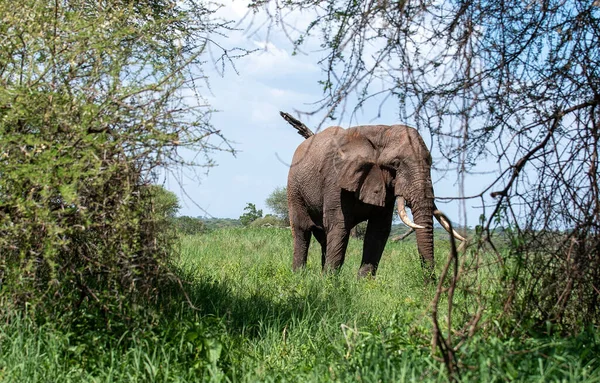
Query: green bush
[(220, 223), (268, 220), (91, 106), (188, 225)]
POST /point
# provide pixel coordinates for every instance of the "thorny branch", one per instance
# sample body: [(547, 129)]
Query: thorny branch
[(438, 341), (493, 83)]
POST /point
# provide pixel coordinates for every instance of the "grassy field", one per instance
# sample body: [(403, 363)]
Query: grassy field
[(253, 320)]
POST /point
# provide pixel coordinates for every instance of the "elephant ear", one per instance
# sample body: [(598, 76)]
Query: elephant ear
[(372, 190), (357, 170)]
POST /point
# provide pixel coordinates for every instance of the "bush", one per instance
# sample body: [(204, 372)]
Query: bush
[(91, 105), (188, 226), (268, 220), (220, 223)]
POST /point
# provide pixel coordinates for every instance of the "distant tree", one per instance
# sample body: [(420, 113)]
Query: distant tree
[(220, 223), (277, 202), (250, 215), (188, 225)]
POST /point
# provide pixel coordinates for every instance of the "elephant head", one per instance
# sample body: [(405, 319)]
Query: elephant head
[(373, 161)]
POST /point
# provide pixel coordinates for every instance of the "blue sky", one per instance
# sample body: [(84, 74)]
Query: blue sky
[(270, 80)]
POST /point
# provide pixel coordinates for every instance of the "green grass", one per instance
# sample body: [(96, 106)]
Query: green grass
[(253, 320)]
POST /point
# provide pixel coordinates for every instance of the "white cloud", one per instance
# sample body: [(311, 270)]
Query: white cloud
[(273, 55), (235, 9), (250, 97), (273, 62)]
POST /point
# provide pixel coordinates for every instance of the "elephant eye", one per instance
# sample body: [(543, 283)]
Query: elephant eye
[(391, 169), (395, 163)]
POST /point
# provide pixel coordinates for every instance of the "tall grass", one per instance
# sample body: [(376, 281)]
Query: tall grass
[(243, 316)]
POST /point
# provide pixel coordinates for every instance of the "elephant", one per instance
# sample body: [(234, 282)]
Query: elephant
[(341, 177)]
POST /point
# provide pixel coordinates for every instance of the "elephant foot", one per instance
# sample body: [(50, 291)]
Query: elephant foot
[(298, 267), (367, 271), (430, 278)]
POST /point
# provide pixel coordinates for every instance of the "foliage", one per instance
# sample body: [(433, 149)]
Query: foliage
[(250, 215), (188, 225), (166, 203), (277, 202), (91, 105), (359, 230), (253, 319), (220, 223), (268, 220)]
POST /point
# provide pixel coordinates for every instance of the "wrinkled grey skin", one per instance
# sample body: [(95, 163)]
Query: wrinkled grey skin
[(340, 178)]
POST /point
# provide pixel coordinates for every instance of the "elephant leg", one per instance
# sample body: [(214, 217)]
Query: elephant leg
[(378, 231), (337, 242), (300, 223), (322, 238), (301, 244)]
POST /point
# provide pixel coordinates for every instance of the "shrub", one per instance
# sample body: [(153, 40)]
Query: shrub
[(268, 220), (91, 105), (188, 225)]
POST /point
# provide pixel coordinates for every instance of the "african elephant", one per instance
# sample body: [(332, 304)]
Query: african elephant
[(340, 177)]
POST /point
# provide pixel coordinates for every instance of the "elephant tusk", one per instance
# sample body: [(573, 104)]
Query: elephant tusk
[(404, 216), (445, 224)]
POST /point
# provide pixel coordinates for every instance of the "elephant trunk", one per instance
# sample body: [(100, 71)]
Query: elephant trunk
[(423, 216), (421, 201)]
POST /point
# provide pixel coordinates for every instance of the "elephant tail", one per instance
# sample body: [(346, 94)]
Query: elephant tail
[(298, 125)]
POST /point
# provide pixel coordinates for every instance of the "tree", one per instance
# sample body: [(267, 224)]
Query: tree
[(166, 203), (189, 225), (92, 104), (505, 82), (277, 202), (250, 215)]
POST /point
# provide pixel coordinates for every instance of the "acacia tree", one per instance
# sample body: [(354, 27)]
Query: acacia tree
[(94, 99), (251, 214), (514, 83)]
